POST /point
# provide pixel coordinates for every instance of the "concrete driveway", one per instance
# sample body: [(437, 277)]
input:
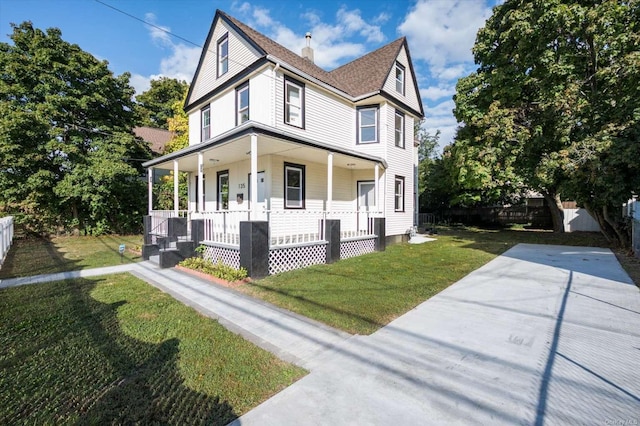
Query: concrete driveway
[(540, 335)]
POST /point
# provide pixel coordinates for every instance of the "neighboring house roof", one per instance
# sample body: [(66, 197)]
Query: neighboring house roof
[(362, 76), (156, 138)]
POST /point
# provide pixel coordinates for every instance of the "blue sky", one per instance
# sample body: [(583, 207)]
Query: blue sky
[(440, 35)]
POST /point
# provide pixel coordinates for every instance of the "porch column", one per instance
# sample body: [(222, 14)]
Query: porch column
[(176, 199), (150, 187), (254, 177), (200, 194), (329, 181), (376, 178)]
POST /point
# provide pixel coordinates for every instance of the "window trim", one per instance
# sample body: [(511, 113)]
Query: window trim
[(402, 68), (359, 109), (301, 86), (401, 143), (240, 89), (202, 111), (301, 168), (395, 194), (221, 40), (219, 192)]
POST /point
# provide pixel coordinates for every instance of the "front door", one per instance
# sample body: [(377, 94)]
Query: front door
[(366, 195), (366, 202)]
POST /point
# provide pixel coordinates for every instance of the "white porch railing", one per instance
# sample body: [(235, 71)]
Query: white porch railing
[(159, 220), (6, 236), (223, 226), (304, 226), (354, 224)]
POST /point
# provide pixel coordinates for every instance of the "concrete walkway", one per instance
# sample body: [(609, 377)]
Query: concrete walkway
[(292, 337), (540, 335)]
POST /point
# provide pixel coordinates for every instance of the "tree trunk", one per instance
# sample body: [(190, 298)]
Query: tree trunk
[(557, 212), (622, 235), (612, 230)]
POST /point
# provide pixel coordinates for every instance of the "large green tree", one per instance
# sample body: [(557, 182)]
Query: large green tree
[(553, 101), (156, 105), (67, 154)]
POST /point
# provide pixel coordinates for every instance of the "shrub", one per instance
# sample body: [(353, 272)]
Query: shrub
[(218, 269)]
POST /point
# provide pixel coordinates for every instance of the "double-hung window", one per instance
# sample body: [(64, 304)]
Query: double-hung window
[(399, 129), (293, 102), (400, 74), (205, 115), (294, 186), (368, 124), (399, 193), (223, 190), (223, 55), (242, 104)]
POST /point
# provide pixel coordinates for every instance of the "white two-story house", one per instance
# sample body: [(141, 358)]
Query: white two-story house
[(273, 137)]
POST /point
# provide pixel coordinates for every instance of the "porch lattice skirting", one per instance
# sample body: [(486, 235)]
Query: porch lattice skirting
[(353, 248), (284, 259), (228, 256)]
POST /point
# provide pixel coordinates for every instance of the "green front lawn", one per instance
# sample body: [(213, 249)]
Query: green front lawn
[(115, 350), (34, 256), (362, 294)]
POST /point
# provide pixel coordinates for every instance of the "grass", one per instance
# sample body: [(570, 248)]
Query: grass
[(34, 256), (115, 350), (361, 294)]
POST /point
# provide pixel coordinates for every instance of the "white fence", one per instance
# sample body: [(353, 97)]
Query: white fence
[(579, 220), (6, 236)]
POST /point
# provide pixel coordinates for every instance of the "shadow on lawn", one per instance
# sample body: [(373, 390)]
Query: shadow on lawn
[(69, 361), (35, 256)]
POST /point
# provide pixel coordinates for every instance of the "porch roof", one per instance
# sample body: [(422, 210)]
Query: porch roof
[(235, 145)]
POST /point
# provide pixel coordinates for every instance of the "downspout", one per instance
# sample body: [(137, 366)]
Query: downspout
[(275, 82)]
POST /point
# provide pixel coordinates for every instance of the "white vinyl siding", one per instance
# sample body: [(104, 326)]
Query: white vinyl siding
[(327, 118), (410, 96), (241, 55)]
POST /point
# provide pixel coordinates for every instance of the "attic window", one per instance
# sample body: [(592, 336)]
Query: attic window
[(399, 78), (223, 55)]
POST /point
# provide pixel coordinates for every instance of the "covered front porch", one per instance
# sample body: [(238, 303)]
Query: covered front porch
[(294, 185)]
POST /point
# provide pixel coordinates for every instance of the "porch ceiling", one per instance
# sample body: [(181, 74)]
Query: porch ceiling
[(239, 149)]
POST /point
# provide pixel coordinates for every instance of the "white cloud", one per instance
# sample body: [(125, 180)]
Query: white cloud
[(180, 63), (444, 30), (437, 92), (159, 33), (330, 42), (454, 72)]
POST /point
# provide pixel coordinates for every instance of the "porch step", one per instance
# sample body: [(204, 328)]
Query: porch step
[(155, 259)]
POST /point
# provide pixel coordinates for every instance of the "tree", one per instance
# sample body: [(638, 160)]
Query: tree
[(179, 126), (156, 105), (65, 135), (543, 105)]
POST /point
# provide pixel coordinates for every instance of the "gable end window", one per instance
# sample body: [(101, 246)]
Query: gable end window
[(399, 194), (293, 102), (367, 122), (223, 55), (205, 117), (399, 129), (294, 182), (399, 78), (242, 104)]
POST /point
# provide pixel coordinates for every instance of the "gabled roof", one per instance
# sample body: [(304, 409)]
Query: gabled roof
[(361, 76), (368, 73)]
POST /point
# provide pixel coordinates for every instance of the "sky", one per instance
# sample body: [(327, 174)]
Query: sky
[(440, 34)]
